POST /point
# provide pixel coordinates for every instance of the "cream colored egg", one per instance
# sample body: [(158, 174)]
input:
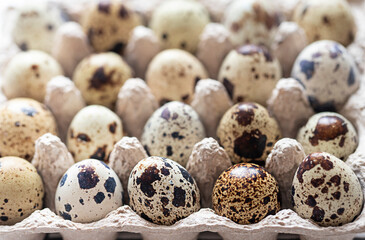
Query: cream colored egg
[(326, 190), (328, 132), (108, 25), (88, 191), (248, 133), (162, 191), (28, 73), (100, 76), (22, 122), (21, 190), (172, 132), (250, 73), (179, 23), (173, 74), (93, 132), (326, 19)]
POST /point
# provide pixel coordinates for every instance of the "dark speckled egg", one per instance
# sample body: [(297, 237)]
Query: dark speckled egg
[(326, 190), (328, 74), (88, 191), (162, 191), (246, 193), (248, 133)]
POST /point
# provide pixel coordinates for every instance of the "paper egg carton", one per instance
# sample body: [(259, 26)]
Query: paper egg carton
[(52, 159)]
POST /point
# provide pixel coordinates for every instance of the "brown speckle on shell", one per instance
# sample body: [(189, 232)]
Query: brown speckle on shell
[(328, 128), (310, 162)]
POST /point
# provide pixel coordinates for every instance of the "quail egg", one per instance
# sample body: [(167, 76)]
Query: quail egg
[(326, 190), (328, 73), (250, 73), (173, 74), (35, 25), (22, 122), (21, 190), (246, 193), (93, 132), (100, 76), (248, 133), (88, 191), (250, 21), (179, 24), (108, 25), (28, 73), (326, 19), (172, 131), (328, 132), (162, 191)]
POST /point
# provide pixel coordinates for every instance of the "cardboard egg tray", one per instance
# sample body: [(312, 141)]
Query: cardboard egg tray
[(50, 149)]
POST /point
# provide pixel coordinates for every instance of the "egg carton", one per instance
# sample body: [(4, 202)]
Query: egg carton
[(52, 159)]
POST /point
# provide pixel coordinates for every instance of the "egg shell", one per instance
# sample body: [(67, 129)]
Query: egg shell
[(162, 191), (28, 73), (88, 191), (100, 76), (21, 190), (250, 21), (35, 25), (93, 132), (326, 19), (326, 190), (246, 193), (328, 132), (173, 74), (22, 122), (328, 73), (179, 23), (172, 131), (250, 73), (248, 133), (108, 25)]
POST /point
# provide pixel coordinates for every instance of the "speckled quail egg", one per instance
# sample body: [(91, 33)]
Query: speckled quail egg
[(93, 132), (28, 73), (100, 76), (328, 132), (22, 122), (179, 24), (246, 193), (35, 25), (326, 190), (21, 190), (162, 191), (248, 133), (326, 19), (250, 21), (250, 73), (173, 74), (328, 73), (108, 24), (172, 131), (88, 191)]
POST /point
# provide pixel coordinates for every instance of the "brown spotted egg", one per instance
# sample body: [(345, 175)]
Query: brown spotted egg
[(88, 191), (22, 122), (328, 132), (21, 190), (246, 193), (326, 190), (162, 191), (108, 25), (250, 73), (93, 132), (172, 132), (248, 133), (328, 74)]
